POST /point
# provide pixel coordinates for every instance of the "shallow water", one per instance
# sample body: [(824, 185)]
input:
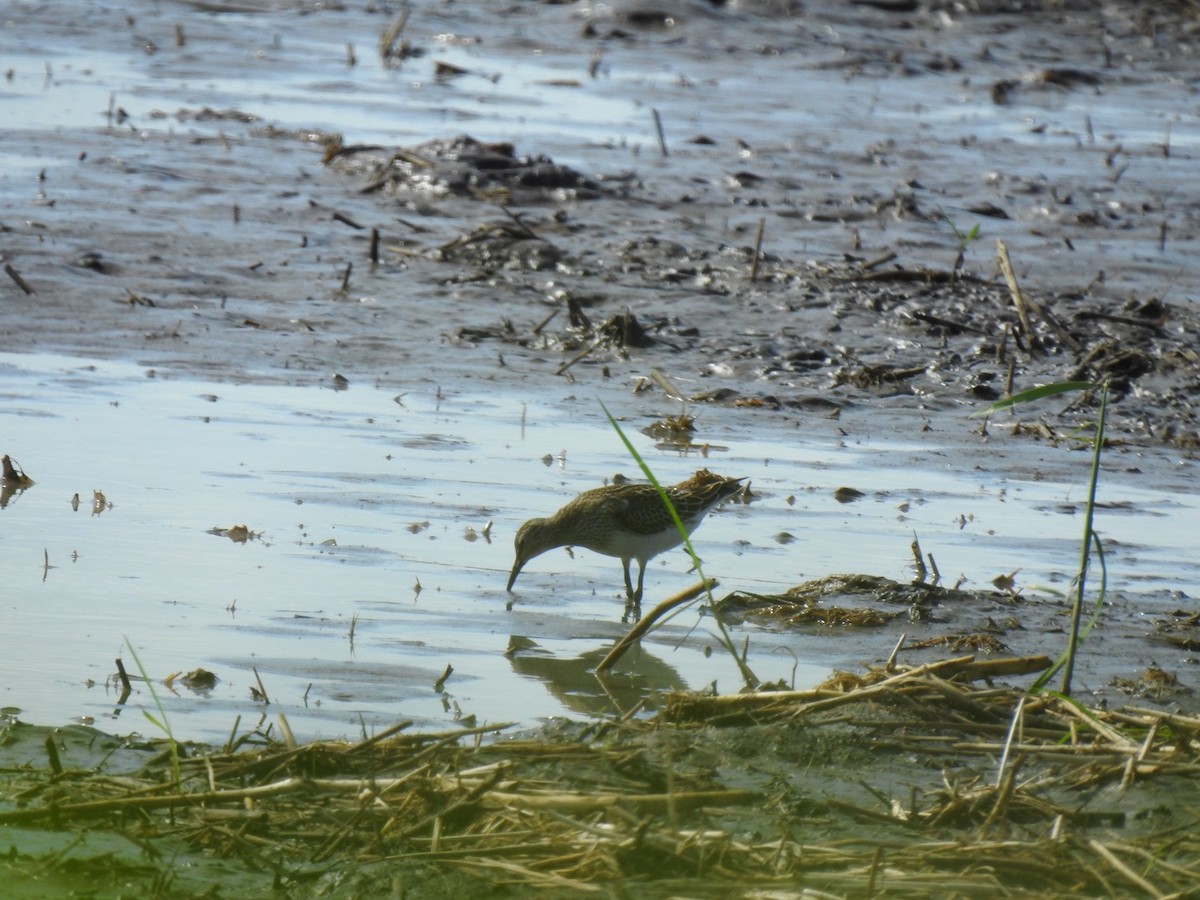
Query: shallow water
[(359, 494), (231, 417)]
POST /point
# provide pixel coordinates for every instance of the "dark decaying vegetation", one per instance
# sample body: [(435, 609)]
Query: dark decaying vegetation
[(971, 790)]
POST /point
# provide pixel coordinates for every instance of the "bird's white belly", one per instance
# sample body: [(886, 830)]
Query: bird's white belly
[(627, 545)]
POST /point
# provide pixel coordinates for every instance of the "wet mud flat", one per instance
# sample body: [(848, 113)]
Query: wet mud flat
[(212, 238), (226, 242)]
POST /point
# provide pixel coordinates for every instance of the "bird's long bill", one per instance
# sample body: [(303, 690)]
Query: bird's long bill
[(516, 570)]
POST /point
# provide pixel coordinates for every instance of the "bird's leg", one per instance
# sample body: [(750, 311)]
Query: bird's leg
[(637, 595), (633, 599)]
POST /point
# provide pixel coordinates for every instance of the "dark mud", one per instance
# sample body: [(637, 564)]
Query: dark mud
[(227, 244)]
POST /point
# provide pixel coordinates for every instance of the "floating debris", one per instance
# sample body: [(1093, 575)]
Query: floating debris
[(239, 534)]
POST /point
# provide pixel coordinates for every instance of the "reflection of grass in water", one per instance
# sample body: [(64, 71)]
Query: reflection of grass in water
[(1090, 539), (723, 635), (161, 723)]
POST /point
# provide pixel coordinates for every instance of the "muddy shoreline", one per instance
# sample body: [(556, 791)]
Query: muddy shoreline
[(225, 244)]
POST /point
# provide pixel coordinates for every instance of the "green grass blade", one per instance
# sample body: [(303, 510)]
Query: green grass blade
[(1073, 635), (1076, 635), (637, 457), (164, 724), (153, 721), (1034, 393), (747, 674)]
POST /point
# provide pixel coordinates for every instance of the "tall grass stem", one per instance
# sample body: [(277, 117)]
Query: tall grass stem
[(747, 673)]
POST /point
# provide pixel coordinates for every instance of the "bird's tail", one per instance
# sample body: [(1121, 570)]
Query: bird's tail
[(708, 488)]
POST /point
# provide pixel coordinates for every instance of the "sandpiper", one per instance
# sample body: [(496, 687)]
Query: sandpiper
[(628, 521)]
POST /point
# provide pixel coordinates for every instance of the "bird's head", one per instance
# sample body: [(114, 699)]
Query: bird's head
[(532, 540)]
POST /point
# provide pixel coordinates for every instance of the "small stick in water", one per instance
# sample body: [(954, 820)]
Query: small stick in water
[(762, 223), (16, 277), (52, 753), (662, 141), (124, 676)]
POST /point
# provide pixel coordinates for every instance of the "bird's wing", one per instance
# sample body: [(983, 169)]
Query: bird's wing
[(641, 511)]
